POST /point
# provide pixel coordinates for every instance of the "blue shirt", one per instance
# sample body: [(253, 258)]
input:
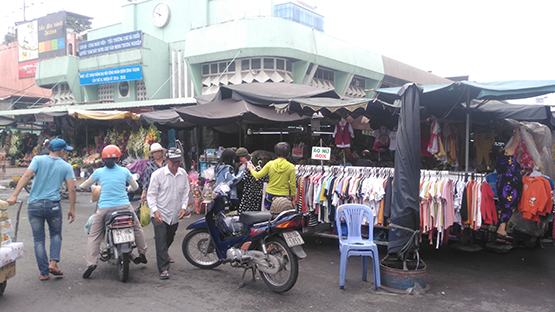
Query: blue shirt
[(113, 183), (50, 174)]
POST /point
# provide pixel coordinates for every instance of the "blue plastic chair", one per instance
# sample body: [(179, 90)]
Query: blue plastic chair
[(352, 243)]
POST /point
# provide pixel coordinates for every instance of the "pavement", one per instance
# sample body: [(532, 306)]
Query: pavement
[(521, 280)]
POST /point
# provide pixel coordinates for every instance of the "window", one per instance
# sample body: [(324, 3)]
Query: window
[(123, 89), (231, 67), (358, 82), (289, 66), (221, 67), (324, 74), (280, 64), (205, 69), (246, 64), (269, 63), (255, 63), (214, 68), (141, 90), (299, 14)]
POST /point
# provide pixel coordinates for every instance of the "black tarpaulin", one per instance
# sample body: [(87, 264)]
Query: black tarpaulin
[(165, 117), (228, 111), (265, 94), (406, 202)]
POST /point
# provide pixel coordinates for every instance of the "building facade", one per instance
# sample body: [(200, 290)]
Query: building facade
[(187, 48)]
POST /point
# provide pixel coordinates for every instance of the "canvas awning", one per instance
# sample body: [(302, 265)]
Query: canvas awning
[(103, 115), (229, 110), (165, 117), (264, 94), (63, 109)]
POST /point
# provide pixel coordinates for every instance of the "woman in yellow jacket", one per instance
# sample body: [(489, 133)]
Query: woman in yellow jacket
[(281, 173)]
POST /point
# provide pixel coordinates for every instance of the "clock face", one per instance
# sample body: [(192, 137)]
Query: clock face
[(161, 15)]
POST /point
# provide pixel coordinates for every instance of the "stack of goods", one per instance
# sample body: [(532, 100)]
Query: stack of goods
[(6, 231), (118, 138), (10, 252)]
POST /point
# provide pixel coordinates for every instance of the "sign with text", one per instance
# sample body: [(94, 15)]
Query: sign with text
[(111, 44), (52, 35), (321, 153), (111, 75), (27, 69)]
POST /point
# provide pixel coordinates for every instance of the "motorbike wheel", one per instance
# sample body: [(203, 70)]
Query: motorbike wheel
[(198, 249), (286, 278), (3, 287), (123, 267)]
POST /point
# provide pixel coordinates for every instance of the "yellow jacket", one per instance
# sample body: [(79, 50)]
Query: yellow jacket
[(282, 177)]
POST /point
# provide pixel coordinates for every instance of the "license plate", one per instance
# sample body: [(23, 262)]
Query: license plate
[(293, 238), (123, 235)]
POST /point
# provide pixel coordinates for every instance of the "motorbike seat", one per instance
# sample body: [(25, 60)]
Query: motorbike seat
[(109, 219), (253, 217)]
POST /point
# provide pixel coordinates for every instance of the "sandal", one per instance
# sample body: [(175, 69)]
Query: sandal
[(56, 272), (43, 278)]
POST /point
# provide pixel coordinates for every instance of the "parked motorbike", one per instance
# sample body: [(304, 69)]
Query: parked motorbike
[(120, 241), (252, 241)]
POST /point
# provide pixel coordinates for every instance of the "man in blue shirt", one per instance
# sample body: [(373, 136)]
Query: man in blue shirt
[(50, 172)]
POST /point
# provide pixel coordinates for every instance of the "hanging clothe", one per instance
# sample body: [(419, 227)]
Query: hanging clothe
[(343, 134)]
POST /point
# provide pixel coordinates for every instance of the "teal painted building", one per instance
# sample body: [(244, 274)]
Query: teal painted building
[(189, 48)]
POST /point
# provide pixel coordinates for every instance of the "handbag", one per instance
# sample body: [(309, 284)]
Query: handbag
[(144, 214)]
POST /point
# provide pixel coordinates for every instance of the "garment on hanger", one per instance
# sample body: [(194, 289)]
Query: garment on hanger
[(343, 134), (509, 186)]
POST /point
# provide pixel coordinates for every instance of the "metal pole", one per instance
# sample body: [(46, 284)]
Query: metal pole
[(467, 143)]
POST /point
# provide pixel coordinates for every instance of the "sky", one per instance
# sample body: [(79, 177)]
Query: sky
[(488, 40)]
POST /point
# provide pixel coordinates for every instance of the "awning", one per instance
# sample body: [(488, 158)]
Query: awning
[(166, 117), (345, 106), (444, 100), (459, 91), (99, 106), (103, 115), (268, 93), (228, 111)]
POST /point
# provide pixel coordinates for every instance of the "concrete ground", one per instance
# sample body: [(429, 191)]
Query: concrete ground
[(519, 281)]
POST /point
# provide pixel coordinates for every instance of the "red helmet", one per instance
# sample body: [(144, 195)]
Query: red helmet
[(111, 151)]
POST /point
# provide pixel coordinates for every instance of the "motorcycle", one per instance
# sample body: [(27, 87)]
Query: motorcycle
[(252, 241), (120, 241)]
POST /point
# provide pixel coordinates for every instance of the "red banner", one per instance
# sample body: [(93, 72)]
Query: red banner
[(28, 69)]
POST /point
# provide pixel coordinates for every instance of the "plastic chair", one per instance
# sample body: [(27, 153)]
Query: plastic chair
[(352, 243)]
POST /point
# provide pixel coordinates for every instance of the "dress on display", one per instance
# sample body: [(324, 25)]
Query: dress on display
[(252, 193)]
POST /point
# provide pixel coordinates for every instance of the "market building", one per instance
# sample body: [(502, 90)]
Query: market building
[(183, 49)]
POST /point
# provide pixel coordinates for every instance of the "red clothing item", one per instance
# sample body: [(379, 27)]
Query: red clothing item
[(536, 198), (343, 135), (487, 205)]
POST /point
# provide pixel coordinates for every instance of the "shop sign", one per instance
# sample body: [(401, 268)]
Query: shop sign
[(321, 153), (52, 35), (27, 41), (111, 75), (27, 69), (111, 44)]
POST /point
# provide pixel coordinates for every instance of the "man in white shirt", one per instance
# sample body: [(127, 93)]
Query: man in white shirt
[(168, 198)]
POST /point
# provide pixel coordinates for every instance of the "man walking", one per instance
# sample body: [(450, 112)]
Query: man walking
[(50, 172), (168, 197)]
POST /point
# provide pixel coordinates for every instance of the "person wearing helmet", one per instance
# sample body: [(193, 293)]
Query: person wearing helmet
[(158, 161), (281, 173), (113, 180), (225, 174), (50, 172), (168, 199)]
